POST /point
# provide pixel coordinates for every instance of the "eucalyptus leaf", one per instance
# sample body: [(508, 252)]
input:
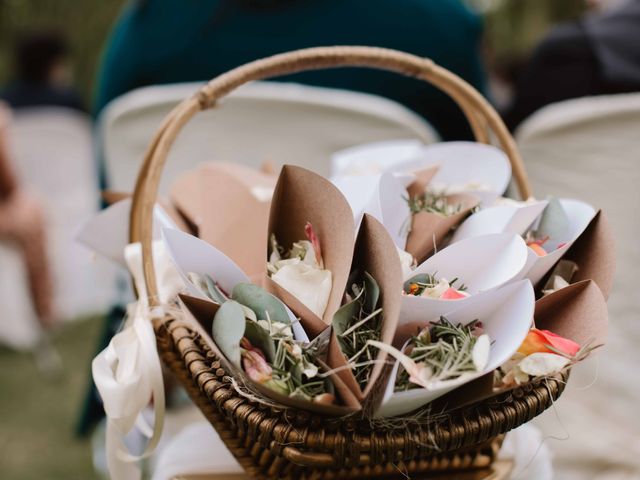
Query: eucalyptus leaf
[(554, 223), (371, 293), (260, 301), (261, 338), (228, 329), (343, 317), (213, 291), (419, 278), (249, 314)]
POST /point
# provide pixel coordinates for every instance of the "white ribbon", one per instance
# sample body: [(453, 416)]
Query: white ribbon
[(128, 373), (128, 376)]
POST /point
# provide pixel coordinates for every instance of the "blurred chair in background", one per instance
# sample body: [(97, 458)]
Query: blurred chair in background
[(163, 41), (54, 155), (42, 74), (261, 121), (23, 255), (598, 54), (588, 149)]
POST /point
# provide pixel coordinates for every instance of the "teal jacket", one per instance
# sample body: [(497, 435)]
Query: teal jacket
[(168, 41)]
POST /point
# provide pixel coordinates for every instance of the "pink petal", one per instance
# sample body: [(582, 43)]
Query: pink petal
[(315, 242), (564, 345), (451, 294)]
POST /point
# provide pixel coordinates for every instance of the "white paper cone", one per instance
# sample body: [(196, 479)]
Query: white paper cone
[(359, 189), (462, 164), (108, 232), (373, 158), (482, 264), (498, 219), (190, 254), (389, 206), (580, 214), (506, 315)]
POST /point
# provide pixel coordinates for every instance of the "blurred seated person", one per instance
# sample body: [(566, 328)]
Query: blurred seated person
[(42, 73), (171, 41), (596, 55), (22, 224)]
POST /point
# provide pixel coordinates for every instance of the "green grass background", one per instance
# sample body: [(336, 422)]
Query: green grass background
[(38, 414)]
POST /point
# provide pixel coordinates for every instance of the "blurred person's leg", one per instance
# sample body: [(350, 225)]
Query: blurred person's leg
[(22, 223)]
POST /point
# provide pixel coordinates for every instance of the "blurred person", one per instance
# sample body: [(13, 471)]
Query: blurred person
[(170, 41), (42, 73), (598, 54), (22, 224)]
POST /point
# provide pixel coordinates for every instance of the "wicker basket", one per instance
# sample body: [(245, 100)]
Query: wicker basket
[(284, 443)]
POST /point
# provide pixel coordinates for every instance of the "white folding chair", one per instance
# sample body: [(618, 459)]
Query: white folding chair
[(589, 148), (54, 156), (261, 121)]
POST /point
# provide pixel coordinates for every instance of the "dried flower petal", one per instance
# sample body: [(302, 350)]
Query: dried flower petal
[(480, 352), (540, 341), (453, 294), (407, 262), (543, 364), (315, 241), (537, 249), (324, 399), (255, 366)]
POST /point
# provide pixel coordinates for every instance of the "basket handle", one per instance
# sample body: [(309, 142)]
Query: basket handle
[(480, 114)]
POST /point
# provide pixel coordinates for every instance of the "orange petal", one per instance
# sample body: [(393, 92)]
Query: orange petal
[(538, 250)]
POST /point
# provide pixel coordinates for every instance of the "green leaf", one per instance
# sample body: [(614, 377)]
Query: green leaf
[(214, 291), (554, 222), (260, 301), (419, 278), (371, 293), (342, 318), (228, 329), (261, 338)]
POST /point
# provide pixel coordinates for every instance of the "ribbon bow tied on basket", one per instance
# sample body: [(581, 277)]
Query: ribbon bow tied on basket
[(128, 376)]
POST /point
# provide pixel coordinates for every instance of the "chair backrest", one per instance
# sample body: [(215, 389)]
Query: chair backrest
[(589, 148), (54, 155), (262, 121)]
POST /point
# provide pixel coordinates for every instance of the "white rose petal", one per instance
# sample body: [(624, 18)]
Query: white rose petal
[(307, 283), (406, 261), (310, 370), (480, 352), (541, 364), (436, 291)]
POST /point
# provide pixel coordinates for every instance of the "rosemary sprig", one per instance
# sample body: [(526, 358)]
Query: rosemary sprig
[(446, 349), (356, 323), (433, 203), (294, 369)]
